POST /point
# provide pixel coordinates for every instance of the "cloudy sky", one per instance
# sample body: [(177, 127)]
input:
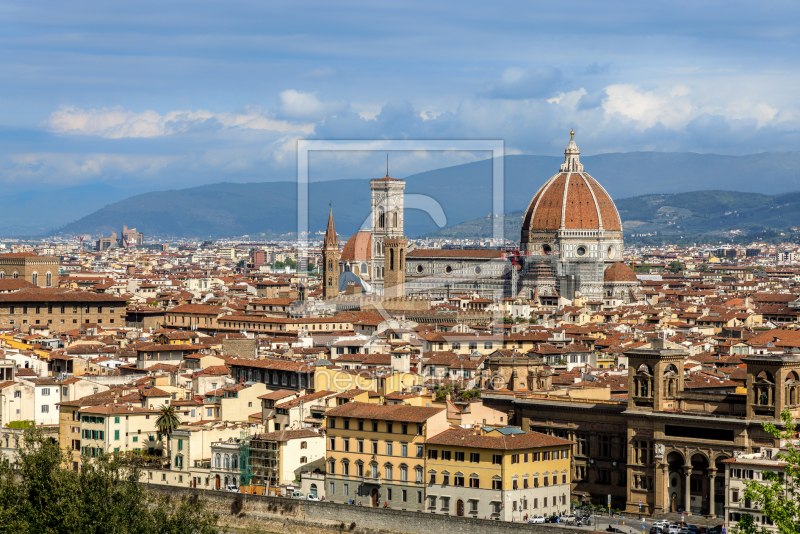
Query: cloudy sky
[(149, 95)]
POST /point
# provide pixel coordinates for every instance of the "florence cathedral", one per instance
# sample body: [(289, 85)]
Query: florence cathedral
[(570, 245)]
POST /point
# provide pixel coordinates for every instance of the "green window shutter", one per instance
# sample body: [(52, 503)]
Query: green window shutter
[(180, 444), (116, 435), (116, 449), (101, 434), (135, 439), (116, 420)]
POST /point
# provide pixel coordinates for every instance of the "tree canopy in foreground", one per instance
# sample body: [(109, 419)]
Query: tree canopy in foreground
[(778, 495), (43, 496)]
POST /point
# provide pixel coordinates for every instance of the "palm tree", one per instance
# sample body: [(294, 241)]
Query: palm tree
[(166, 423)]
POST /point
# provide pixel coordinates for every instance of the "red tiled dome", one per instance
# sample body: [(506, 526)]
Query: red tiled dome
[(619, 272), (358, 247), (574, 201)]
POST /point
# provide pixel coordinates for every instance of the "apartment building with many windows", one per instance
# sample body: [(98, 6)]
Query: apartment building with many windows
[(497, 473), (118, 428), (376, 454), (741, 470)]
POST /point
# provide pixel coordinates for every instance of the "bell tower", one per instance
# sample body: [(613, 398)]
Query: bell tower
[(394, 283), (773, 385), (330, 262), (655, 376), (387, 222)]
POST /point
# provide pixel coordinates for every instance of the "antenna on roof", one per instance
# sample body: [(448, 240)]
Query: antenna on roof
[(387, 164)]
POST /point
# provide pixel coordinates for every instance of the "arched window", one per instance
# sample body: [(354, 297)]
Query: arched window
[(330, 265), (35, 278), (330, 281), (235, 462), (16, 274), (2, 274), (217, 460), (332, 467), (227, 462), (381, 219), (49, 279), (391, 259)]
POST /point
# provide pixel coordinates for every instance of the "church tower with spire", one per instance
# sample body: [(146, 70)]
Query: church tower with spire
[(330, 262)]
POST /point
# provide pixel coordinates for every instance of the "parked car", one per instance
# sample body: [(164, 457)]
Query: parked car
[(312, 497), (673, 529), (231, 487), (714, 530), (661, 523), (297, 495), (551, 519), (657, 530), (536, 519)]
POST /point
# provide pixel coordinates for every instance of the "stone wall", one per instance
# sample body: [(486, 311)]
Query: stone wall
[(294, 515), (243, 348)]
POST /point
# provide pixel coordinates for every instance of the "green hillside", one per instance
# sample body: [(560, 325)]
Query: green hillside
[(699, 213)]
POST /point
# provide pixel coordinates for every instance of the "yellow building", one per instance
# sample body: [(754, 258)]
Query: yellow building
[(376, 454), (497, 473), (341, 380)]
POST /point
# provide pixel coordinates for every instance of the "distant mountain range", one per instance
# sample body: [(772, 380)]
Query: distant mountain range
[(40, 212), (682, 214), (464, 193)]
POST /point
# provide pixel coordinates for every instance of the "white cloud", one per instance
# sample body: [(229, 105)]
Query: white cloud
[(676, 106), (62, 168), (118, 123), (299, 105), (569, 99)]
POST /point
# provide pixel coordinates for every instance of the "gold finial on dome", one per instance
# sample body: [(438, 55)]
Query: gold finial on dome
[(571, 133)]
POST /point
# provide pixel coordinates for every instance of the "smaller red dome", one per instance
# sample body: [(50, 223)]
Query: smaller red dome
[(358, 247), (619, 272)]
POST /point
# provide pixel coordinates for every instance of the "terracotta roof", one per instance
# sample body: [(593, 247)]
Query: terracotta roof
[(286, 435), (58, 295), (20, 255), (305, 398), (13, 284), (199, 309), (109, 409), (458, 437), (278, 394), (397, 412)]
